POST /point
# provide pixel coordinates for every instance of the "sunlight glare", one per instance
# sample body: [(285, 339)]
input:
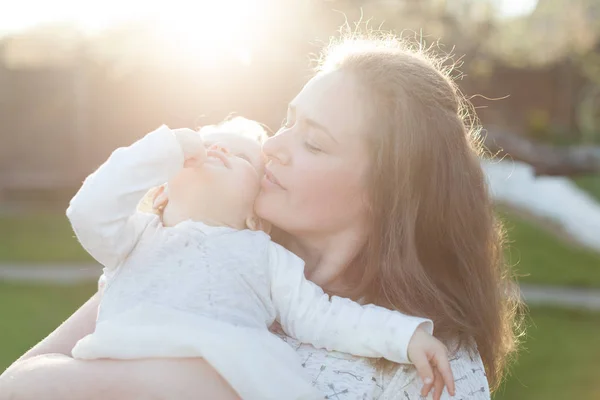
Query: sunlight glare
[(212, 27), (199, 27)]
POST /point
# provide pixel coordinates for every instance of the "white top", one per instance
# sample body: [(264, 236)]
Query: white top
[(195, 290)]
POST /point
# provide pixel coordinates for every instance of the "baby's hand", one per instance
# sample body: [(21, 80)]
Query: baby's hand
[(192, 145), (430, 357)]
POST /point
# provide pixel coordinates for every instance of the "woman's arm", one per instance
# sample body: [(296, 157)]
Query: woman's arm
[(58, 377), (63, 338), (48, 372), (59, 342)]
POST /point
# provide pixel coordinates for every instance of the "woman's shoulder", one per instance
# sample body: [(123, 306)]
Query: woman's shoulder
[(402, 382), (337, 374), (333, 372)]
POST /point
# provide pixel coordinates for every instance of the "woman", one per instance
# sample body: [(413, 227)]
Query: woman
[(374, 180)]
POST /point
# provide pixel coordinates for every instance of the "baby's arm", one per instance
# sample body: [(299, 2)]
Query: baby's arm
[(310, 315), (103, 212)]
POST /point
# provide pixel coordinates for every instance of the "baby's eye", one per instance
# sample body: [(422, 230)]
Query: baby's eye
[(245, 157)]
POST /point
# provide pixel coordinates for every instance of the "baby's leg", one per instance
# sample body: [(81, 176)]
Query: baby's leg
[(55, 377)]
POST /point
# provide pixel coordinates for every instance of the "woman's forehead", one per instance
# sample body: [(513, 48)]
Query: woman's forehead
[(332, 100)]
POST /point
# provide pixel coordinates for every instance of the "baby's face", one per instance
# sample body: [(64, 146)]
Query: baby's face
[(236, 160), (227, 183)]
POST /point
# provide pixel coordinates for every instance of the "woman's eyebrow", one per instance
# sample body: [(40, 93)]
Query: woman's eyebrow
[(311, 122)]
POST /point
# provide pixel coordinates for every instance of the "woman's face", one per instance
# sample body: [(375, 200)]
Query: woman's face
[(315, 182)]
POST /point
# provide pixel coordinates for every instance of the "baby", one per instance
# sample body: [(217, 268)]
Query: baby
[(201, 278)]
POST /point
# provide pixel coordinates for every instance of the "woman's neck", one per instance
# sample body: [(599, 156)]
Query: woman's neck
[(326, 257)]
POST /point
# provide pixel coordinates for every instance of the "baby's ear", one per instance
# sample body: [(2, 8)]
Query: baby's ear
[(258, 224), (160, 198)]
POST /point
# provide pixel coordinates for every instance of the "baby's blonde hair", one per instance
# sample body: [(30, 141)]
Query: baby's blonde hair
[(238, 125)]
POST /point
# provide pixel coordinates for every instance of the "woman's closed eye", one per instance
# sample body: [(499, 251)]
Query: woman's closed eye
[(312, 148), (312, 140)]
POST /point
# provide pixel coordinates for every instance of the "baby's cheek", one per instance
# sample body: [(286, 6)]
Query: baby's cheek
[(185, 175), (188, 182), (251, 180), (252, 188)]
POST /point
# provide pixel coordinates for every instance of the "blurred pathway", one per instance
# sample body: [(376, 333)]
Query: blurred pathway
[(50, 273), (579, 298)]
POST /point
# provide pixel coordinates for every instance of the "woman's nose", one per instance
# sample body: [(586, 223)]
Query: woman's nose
[(277, 148)]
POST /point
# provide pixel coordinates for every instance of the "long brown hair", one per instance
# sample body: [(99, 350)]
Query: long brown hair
[(435, 248)]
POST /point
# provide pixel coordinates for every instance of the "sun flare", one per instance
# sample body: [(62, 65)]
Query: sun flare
[(201, 26), (208, 24)]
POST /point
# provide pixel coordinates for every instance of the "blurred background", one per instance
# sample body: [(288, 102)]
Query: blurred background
[(78, 79)]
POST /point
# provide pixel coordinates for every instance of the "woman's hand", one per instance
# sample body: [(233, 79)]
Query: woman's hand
[(192, 145), (430, 357)]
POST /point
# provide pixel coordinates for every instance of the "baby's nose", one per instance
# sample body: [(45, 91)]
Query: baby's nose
[(219, 147)]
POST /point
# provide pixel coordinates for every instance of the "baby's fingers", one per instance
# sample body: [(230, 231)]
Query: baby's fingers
[(425, 372), (438, 385), (160, 198), (443, 367)]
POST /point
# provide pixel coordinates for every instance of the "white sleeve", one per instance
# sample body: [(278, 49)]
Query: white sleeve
[(334, 323), (104, 214)]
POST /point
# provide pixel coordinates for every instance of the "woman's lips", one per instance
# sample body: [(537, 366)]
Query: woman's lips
[(271, 179)]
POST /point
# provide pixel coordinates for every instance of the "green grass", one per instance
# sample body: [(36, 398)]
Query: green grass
[(559, 358), (39, 238), (537, 256), (29, 312), (541, 258), (590, 183)]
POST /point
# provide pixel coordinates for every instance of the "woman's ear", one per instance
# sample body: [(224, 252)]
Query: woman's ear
[(258, 224)]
